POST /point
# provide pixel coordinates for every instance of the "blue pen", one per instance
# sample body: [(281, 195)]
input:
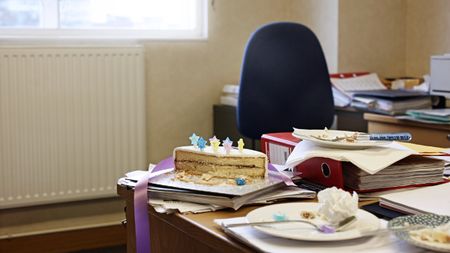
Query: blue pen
[(386, 137)]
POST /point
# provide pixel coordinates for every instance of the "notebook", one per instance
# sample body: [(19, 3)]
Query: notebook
[(431, 199)]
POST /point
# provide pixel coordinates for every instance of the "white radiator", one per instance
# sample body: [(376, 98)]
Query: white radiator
[(72, 121)]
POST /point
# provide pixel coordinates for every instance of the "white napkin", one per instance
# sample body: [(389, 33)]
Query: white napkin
[(385, 243), (370, 160)]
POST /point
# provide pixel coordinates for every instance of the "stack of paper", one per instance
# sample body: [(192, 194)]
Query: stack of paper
[(392, 102), (412, 170), (343, 88), (436, 116), (431, 199), (223, 200), (171, 206), (213, 200), (230, 93)]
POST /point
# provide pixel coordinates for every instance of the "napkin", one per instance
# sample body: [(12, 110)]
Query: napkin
[(370, 160)]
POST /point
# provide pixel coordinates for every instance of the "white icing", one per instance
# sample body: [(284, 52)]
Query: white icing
[(222, 152), (337, 204)]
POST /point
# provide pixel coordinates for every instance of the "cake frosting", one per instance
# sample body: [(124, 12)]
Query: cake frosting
[(218, 165), (336, 204)]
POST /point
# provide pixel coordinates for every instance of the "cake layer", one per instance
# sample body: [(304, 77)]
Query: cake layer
[(245, 163), (226, 171)]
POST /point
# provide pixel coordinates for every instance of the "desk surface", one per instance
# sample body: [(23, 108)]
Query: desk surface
[(187, 232), (184, 232), (422, 133)]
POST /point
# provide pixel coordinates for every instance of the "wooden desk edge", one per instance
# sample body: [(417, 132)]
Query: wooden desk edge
[(211, 234), (392, 120)]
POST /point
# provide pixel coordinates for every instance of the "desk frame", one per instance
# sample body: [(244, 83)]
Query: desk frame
[(183, 232)]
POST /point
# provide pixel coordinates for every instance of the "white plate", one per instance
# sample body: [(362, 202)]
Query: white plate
[(431, 220), (307, 134), (365, 222), (169, 180)]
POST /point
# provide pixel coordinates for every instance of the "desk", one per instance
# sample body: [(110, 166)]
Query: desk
[(183, 233), (425, 134), (350, 119), (186, 232)]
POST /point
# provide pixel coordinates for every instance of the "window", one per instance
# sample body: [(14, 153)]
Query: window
[(100, 19)]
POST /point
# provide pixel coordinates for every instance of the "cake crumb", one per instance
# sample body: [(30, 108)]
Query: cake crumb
[(307, 215)]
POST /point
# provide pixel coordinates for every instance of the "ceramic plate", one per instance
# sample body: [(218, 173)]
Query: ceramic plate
[(169, 180), (366, 222), (431, 220), (307, 134)]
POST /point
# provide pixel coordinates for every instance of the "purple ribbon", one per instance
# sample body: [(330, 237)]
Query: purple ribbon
[(286, 179), (142, 224)]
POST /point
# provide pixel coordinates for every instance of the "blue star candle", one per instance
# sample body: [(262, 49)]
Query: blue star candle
[(194, 139), (201, 143)]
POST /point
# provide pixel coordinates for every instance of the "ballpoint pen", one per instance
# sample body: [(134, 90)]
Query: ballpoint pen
[(369, 137)]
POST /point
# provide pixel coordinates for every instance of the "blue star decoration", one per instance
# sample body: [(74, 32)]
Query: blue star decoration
[(240, 181), (201, 143), (194, 139)]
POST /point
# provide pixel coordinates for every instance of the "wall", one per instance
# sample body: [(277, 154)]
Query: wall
[(427, 33), (184, 79), (372, 36), (322, 17)]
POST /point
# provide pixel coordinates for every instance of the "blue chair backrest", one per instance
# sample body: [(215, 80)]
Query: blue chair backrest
[(284, 82)]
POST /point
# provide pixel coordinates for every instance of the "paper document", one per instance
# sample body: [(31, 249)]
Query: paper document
[(431, 199), (365, 82), (370, 160), (343, 87)]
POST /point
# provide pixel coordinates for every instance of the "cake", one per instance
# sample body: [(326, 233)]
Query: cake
[(219, 165), (440, 234)]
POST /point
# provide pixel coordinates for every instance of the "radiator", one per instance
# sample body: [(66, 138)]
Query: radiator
[(72, 121)]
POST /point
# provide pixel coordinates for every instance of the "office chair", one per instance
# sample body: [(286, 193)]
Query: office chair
[(284, 82)]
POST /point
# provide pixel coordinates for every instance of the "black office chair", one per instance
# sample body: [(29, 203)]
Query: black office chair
[(284, 82)]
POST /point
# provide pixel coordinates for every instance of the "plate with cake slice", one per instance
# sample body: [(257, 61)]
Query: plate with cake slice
[(435, 235), (364, 224), (234, 172)]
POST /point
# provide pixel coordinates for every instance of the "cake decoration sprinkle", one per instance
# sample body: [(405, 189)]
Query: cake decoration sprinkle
[(214, 143), (279, 216), (227, 145), (201, 143), (240, 181), (194, 139), (241, 145)]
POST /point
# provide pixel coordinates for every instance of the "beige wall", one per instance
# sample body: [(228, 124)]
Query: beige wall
[(184, 79), (322, 17), (427, 33), (372, 36)]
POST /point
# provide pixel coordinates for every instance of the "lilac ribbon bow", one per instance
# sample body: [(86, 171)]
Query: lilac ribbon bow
[(142, 225)]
